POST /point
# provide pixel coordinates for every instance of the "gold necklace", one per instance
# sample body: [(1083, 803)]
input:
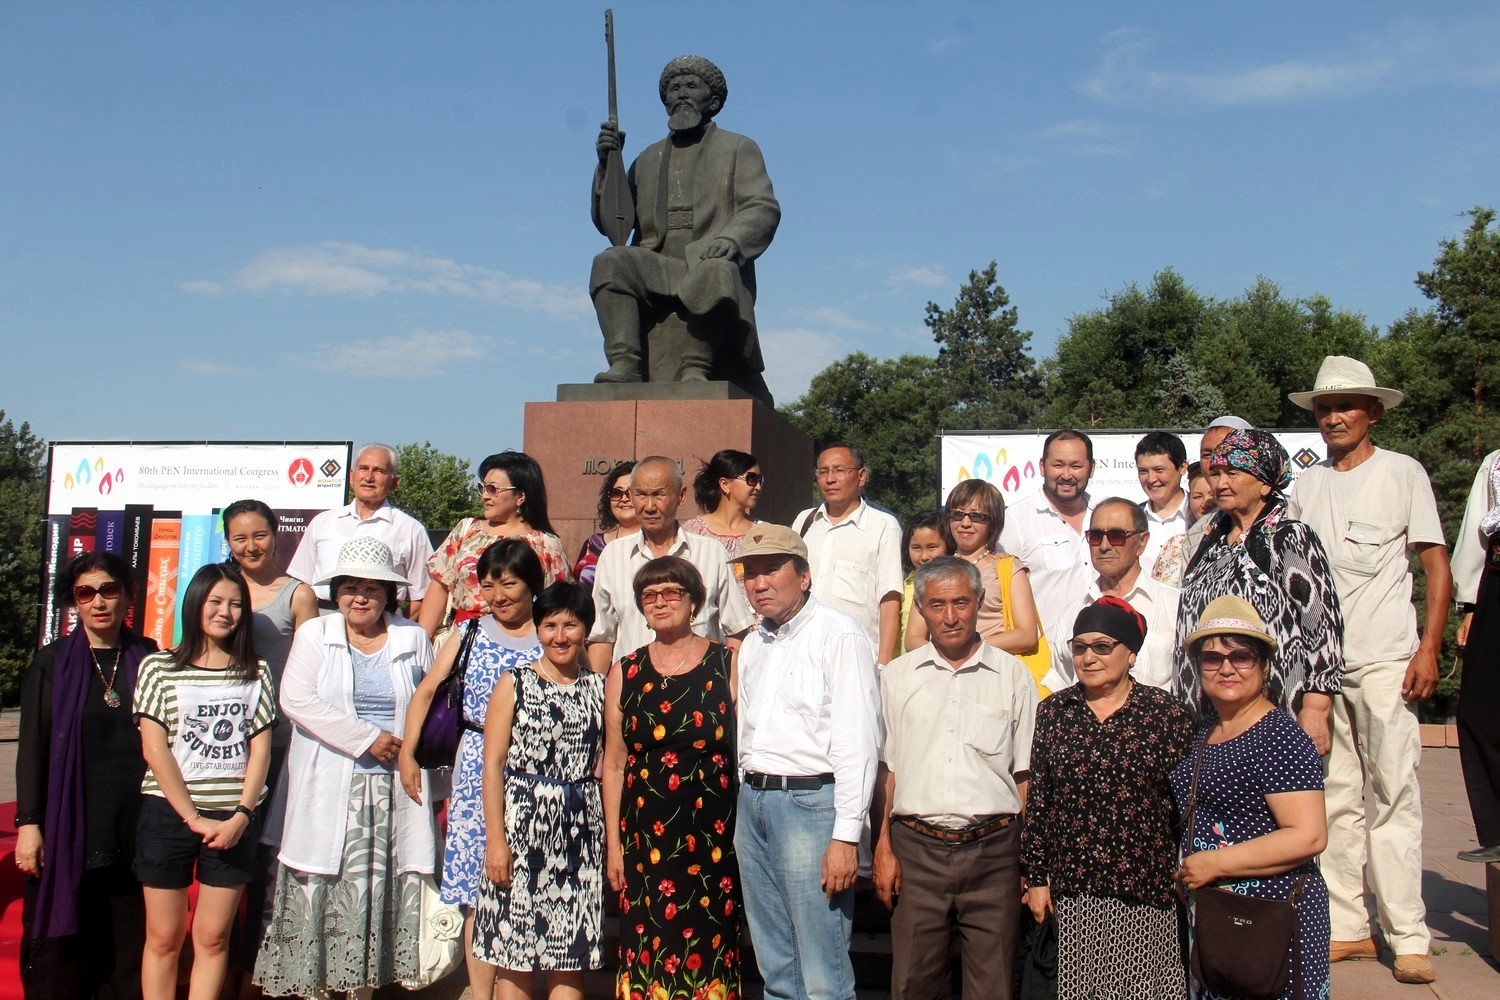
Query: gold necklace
[(665, 676), (110, 697)]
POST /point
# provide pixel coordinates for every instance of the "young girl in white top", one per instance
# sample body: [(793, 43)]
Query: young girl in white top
[(205, 711)]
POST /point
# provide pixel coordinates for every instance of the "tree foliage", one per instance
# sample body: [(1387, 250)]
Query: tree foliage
[(436, 488), (983, 355), (22, 500)]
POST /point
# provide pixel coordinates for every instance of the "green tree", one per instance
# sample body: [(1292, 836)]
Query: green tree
[(436, 488), (983, 354), (22, 500)]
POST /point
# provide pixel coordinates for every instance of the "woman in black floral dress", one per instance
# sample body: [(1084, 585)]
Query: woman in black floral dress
[(669, 794), (1100, 841)]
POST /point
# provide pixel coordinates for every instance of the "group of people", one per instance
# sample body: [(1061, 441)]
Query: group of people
[(1083, 709)]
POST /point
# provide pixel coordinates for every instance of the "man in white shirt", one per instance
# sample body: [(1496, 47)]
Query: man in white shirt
[(374, 477), (1160, 465), (1116, 537), (959, 715), (1045, 531), (1372, 509), (656, 491), (854, 550), (809, 725)]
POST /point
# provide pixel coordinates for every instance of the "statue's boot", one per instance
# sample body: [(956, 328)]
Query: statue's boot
[(619, 321)]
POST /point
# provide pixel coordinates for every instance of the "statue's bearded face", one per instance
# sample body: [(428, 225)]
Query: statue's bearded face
[(689, 102)]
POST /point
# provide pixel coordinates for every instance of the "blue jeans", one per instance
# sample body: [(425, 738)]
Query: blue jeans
[(801, 937)]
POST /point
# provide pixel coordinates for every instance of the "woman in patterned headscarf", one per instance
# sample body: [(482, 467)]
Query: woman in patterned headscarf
[(1253, 551)]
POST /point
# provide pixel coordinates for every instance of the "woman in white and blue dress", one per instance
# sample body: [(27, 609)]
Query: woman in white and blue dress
[(541, 906), (510, 575), (355, 848)]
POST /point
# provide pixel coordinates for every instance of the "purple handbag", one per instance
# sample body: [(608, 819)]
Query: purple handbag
[(437, 744)]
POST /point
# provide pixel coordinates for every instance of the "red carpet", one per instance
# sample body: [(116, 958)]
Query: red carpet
[(11, 885)]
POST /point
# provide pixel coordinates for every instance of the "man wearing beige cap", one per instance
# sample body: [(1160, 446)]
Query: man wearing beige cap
[(1371, 509), (809, 724)]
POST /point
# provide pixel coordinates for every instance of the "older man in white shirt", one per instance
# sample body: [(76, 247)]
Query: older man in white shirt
[(656, 491), (809, 721), (854, 550), (959, 716), (374, 477), (1045, 531), (1118, 530)]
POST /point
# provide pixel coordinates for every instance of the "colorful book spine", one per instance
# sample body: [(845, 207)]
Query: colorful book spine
[(192, 554), (218, 545), (55, 549), (83, 529), (110, 536), (137, 553), (159, 617)]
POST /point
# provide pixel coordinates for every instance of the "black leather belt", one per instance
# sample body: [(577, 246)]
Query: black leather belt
[(963, 835), (787, 782)]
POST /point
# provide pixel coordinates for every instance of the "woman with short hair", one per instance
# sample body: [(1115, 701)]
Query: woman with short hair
[(616, 517), (670, 784), (78, 793)]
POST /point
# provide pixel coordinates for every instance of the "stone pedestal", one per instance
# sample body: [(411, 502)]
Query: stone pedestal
[(579, 438)]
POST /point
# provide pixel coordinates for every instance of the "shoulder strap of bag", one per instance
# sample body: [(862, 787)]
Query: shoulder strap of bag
[(1004, 569), (461, 665)]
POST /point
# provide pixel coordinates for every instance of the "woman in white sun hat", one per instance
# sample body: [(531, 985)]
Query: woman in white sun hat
[(355, 848)]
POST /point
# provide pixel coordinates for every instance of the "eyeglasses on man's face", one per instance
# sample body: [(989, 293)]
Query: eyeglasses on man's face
[(1117, 536)]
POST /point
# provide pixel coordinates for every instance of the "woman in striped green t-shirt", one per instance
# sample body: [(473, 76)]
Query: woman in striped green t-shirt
[(205, 711)]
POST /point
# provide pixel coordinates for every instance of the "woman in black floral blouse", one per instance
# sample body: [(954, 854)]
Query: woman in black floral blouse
[(1100, 842)]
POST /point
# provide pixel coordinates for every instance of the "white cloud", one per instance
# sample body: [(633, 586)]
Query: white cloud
[(419, 354), (923, 277), (1401, 55), (832, 318), (201, 287), (797, 354), (355, 271), (213, 368), (1089, 136)]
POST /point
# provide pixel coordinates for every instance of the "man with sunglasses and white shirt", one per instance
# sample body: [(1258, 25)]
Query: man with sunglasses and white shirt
[(854, 550), (1118, 533)]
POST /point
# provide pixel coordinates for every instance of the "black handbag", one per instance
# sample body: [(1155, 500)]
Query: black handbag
[(1243, 946), (437, 744)]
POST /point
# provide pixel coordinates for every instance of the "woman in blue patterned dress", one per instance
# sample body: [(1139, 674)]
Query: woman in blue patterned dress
[(510, 576), (1251, 790)]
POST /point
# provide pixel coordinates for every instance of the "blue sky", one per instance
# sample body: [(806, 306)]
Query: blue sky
[(277, 220)]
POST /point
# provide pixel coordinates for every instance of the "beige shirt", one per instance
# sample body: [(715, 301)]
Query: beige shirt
[(1368, 519), (955, 739), (855, 563)]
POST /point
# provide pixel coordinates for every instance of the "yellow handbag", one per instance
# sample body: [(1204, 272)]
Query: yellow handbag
[(1037, 663)]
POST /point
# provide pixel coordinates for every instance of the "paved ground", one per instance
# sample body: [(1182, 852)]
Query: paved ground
[(1454, 891)]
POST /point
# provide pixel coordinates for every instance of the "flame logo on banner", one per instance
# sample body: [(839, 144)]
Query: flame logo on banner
[(84, 475), (1012, 481), (106, 485), (982, 467), (1030, 470)]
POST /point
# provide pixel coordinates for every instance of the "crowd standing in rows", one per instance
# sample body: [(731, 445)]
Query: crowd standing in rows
[(1090, 711)]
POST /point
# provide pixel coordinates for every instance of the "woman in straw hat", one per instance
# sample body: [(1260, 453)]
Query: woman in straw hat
[(1251, 791), (355, 848), (1255, 552)]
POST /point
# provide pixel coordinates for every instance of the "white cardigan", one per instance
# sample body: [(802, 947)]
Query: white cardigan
[(317, 694)]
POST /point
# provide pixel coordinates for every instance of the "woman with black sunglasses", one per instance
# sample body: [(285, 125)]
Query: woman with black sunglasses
[(78, 794), (727, 489), (514, 496)]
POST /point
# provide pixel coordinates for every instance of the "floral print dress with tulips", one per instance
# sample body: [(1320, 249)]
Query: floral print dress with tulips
[(680, 909)]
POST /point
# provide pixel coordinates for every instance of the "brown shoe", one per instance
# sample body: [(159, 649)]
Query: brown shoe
[(1345, 951), (1415, 969)]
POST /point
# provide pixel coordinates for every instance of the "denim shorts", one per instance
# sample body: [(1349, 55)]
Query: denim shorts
[(167, 852)]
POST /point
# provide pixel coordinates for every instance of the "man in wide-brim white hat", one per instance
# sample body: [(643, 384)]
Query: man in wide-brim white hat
[(1371, 509)]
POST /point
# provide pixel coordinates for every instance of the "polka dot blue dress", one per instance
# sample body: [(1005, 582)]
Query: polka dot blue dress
[(1272, 756)]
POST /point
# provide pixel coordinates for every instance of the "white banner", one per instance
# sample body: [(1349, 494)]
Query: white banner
[(157, 506), (1013, 461)]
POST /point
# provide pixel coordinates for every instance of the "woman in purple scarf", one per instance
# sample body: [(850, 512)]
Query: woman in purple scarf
[(78, 793)]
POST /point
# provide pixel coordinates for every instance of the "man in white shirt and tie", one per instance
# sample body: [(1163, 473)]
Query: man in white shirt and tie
[(809, 723)]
